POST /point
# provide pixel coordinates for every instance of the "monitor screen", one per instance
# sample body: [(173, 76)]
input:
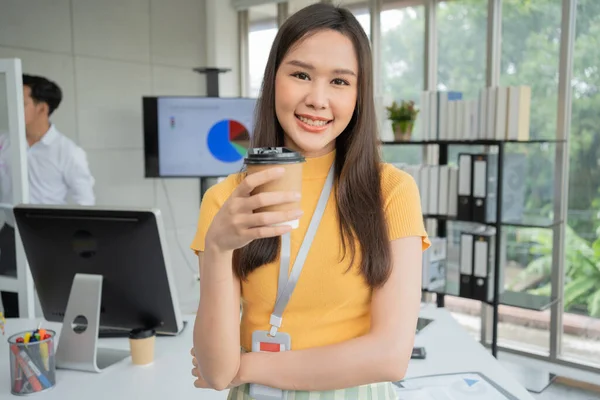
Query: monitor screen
[(196, 136)]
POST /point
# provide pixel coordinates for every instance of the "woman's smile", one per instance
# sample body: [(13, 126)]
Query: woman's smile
[(313, 124)]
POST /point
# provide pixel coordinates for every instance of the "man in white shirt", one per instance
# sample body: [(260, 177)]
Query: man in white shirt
[(57, 168)]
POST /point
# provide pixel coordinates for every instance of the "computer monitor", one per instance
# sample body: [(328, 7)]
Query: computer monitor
[(103, 267), (200, 137)]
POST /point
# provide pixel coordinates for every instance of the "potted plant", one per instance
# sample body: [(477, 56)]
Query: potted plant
[(403, 118)]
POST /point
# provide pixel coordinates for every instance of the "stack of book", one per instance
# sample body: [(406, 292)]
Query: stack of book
[(497, 113), (438, 185), (465, 259)]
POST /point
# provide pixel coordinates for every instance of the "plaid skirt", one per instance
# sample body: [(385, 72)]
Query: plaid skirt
[(374, 391)]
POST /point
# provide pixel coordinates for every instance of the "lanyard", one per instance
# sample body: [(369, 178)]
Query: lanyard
[(286, 286)]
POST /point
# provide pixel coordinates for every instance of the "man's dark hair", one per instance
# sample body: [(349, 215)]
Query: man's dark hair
[(44, 91)]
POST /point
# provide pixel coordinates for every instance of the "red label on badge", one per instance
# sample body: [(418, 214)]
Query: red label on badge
[(272, 347)]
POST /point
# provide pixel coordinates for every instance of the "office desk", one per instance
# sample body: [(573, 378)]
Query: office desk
[(449, 349), (169, 377)]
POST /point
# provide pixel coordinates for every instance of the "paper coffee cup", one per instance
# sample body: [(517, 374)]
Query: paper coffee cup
[(141, 343), (259, 159)]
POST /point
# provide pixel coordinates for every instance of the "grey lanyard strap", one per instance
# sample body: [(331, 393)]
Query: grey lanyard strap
[(286, 285)]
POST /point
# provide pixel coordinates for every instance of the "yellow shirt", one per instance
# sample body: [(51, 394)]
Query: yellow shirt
[(330, 304)]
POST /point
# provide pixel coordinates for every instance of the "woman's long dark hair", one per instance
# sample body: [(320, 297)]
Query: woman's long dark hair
[(357, 163)]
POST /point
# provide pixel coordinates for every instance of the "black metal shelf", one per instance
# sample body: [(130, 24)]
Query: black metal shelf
[(499, 297), (532, 222), (526, 300), (522, 300), (435, 291), (479, 142), (527, 222)]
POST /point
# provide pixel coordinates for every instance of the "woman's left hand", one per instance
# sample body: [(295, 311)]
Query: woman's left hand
[(201, 383)]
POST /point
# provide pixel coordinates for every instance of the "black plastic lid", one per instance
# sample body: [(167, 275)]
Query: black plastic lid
[(141, 333), (273, 155)]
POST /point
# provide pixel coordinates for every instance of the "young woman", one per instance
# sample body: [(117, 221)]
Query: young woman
[(353, 313)]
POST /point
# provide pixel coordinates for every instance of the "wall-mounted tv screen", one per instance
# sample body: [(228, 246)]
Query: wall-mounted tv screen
[(196, 136)]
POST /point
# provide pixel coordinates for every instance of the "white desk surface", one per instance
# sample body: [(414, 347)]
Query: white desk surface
[(449, 349)]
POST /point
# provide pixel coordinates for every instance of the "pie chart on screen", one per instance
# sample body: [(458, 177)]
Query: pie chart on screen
[(228, 140)]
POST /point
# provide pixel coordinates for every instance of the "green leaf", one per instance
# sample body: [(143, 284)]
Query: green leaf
[(577, 264), (545, 290), (543, 237), (574, 242), (538, 269), (594, 304), (578, 288), (596, 248)]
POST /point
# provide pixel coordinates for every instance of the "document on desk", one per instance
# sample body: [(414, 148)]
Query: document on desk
[(461, 386)]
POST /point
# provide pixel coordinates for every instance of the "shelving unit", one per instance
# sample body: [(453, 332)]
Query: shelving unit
[(509, 298)]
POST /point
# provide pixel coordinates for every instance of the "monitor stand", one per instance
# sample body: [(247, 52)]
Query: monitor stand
[(79, 350)]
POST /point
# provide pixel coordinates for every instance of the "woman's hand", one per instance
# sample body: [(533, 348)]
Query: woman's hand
[(201, 383), (236, 224)]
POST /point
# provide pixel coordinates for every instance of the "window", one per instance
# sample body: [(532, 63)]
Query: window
[(402, 49), (462, 29), (263, 29), (461, 67), (582, 265), (530, 57), (462, 46)]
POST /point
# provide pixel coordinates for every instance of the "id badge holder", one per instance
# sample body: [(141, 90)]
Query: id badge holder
[(261, 342)]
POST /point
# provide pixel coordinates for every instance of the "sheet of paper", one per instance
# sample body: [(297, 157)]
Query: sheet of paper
[(467, 386)]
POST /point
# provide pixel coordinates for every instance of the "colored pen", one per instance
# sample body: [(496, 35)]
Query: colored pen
[(50, 348), (35, 383), (44, 355), (42, 378), (18, 384), (24, 354)]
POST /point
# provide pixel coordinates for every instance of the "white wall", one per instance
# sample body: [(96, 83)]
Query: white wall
[(222, 44), (106, 55)]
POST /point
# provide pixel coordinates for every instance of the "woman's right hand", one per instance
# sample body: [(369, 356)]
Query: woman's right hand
[(236, 224)]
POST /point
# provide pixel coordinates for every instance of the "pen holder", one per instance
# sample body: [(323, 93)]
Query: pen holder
[(32, 364)]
